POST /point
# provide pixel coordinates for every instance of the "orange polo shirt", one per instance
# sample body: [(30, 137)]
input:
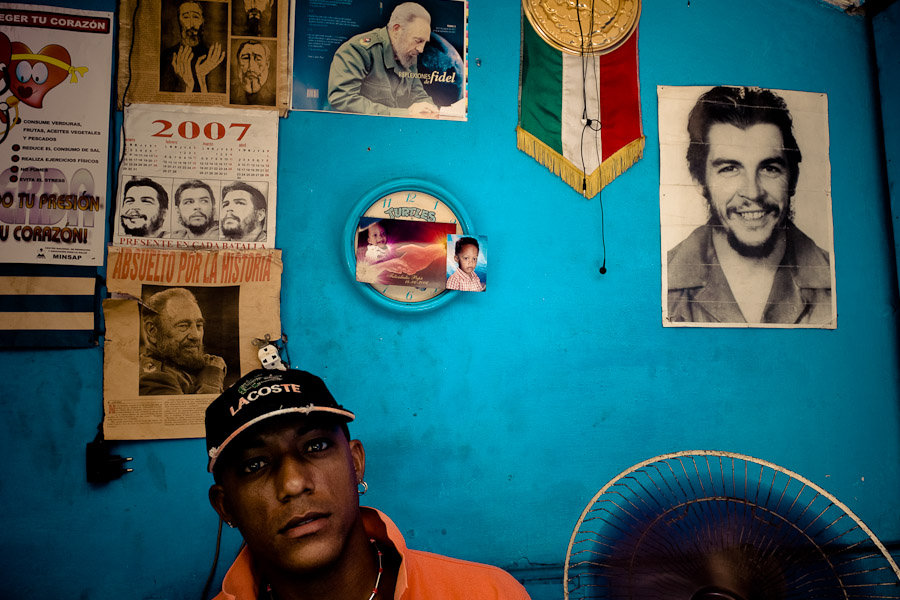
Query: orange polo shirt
[(422, 576)]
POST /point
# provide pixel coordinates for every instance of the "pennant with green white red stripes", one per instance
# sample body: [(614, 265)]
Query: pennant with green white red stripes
[(580, 115)]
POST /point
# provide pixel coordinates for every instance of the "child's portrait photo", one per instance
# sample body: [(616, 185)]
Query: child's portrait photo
[(467, 263)]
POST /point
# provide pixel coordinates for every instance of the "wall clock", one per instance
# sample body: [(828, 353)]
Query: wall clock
[(411, 200)]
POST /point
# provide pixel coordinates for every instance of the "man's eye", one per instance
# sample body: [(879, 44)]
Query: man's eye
[(319, 445), (253, 465), (773, 170)]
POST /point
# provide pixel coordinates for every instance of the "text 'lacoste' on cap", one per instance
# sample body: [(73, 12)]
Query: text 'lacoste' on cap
[(263, 394)]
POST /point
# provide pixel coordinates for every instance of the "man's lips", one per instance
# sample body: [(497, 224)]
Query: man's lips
[(752, 215), (304, 525)]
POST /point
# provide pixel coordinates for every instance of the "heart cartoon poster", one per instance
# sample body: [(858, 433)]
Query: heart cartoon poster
[(55, 74)]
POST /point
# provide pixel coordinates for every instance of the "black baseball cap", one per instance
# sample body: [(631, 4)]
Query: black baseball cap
[(263, 394)]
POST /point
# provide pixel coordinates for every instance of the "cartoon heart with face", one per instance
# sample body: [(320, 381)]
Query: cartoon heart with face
[(33, 75), (5, 59)]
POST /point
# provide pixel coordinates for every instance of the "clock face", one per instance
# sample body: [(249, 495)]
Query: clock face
[(408, 200)]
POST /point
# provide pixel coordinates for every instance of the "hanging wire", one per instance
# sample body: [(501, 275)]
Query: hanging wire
[(588, 63)]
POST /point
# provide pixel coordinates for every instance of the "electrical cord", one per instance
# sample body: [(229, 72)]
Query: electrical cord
[(590, 124), (125, 104), (215, 563)]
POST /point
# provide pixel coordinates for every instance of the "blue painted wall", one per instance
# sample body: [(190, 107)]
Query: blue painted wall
[(885, 29), (490, 423)]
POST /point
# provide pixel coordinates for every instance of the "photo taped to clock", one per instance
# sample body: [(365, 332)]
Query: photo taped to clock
[(403, 200)]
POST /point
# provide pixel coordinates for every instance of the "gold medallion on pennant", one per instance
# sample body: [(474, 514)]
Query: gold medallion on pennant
[(583, 26)]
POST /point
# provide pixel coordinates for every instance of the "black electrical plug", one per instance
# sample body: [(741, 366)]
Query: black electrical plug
[(101, 466)]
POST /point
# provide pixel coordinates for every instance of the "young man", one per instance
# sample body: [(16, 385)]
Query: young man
[(243, 213), (287, 475), (749, 263), (195, 206), (144, 207)]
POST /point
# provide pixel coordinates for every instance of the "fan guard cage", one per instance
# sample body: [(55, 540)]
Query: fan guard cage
[(706, 524)]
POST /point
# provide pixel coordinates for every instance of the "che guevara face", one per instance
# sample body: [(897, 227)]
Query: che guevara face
[(747, 185), (141, 214)]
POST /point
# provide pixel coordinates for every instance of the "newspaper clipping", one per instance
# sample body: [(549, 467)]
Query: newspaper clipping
[(745, 208), (395, 58), (54, 134), (196, 178), (181, 326), (205, 52)]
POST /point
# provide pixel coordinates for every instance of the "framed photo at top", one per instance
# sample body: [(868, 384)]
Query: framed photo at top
[(205, 53), (392, 58)]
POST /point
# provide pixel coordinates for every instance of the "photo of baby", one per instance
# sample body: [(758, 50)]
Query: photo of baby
[(399, 252)]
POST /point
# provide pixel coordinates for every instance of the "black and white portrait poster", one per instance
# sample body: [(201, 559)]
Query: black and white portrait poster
[(205, 52), (197, 177), (181, 326), (745, 208)]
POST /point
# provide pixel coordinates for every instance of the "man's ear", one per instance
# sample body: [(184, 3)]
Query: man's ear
[(151, 331), (217, 500), (358, 455)]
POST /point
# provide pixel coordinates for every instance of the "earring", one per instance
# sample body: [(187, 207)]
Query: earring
[(362, 490)]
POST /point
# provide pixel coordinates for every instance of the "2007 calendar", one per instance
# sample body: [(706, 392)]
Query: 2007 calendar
[(194, 178)]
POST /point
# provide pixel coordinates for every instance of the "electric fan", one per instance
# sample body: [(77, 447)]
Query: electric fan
[(705, 525)]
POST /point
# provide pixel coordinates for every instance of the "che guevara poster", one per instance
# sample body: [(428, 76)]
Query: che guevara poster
[(196, 177), (54, 133)]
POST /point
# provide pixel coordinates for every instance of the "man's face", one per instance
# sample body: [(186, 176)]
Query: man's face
[(467, 259), (179, 336), (291, 489), (256, 8), (409, 41), (253, 62), (195, 209), (747, 185), (239, 217), (141, 215), (190, 17)]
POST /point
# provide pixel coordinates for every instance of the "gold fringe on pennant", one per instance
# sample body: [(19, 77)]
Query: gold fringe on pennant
[(611, 168)]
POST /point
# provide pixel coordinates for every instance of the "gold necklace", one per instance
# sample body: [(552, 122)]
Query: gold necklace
[(377, 578)]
